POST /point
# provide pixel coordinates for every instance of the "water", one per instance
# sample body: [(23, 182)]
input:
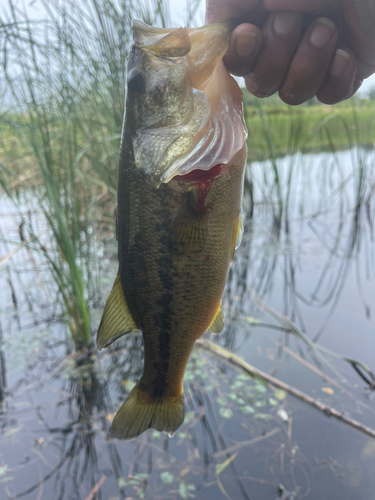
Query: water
[(239, 439)]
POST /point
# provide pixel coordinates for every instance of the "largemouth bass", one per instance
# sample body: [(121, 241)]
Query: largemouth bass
[(180, 187)]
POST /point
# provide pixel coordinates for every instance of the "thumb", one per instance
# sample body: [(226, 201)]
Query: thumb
[(220, 10), (305, 6), (360, 18)]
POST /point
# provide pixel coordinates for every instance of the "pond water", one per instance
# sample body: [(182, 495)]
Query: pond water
[(308, 254)]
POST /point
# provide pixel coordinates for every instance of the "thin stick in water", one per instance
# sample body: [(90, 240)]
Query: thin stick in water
[(269, 379)]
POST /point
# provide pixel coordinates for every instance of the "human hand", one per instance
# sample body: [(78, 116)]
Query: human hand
[(274, 52)]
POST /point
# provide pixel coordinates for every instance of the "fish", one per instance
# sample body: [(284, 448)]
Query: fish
[(178, 222)]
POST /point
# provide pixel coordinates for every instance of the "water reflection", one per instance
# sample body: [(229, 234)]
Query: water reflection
[(73, 433), (239, 440), (313, 253), (2, 369)]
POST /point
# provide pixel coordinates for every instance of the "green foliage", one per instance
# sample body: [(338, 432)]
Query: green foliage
[(243, 394), (279, 130), (167, 477), (225, 412)]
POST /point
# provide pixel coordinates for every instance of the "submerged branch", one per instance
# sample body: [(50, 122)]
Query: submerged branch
[(323, 375), (96, 488), (243, 444), (289, 325), (270, 381)]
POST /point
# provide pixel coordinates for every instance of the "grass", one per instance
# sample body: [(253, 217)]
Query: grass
[(310, 128)]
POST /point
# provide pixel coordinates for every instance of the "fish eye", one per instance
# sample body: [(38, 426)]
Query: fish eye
[(136, 81)]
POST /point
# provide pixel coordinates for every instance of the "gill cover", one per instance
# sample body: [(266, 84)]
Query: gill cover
[(184, 108)]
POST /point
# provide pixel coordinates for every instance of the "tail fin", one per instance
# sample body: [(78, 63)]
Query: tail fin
[(137, 415)]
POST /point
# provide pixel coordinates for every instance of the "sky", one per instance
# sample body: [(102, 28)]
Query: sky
[(178, 12)]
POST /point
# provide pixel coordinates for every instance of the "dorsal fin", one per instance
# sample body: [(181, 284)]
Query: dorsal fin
[(217, 324), (116, 320)]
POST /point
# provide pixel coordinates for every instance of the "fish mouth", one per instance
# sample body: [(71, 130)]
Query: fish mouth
[(223, 134)]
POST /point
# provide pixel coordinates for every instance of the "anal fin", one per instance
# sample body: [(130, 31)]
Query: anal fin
[(217, 324), (116, 320)]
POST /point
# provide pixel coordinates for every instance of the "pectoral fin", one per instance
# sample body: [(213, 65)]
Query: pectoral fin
[(188, 230), (217, 324), (116, 320), (236, 236)]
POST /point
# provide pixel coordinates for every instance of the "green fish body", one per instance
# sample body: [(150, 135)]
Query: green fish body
[(178, 216)]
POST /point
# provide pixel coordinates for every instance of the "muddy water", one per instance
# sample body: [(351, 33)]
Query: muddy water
[(309, 255)]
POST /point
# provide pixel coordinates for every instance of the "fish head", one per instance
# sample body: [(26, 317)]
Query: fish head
[(183, 109)]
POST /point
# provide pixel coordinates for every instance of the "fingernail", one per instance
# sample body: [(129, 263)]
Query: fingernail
[(246, 44), (254, 87), (357, 84), (340, 62), (322, 32), (251, 85), (285, 22), (288, 96)]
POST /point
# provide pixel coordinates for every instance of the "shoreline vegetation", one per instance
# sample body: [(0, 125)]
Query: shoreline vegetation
[(313, 127), (275, 129)]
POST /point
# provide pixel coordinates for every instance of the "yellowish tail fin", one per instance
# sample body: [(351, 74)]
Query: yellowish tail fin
[(138, 414)]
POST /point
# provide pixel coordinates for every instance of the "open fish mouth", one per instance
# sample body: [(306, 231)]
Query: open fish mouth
[(212, 130)]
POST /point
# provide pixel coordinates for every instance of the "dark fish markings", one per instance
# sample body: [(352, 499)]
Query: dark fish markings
[(162, 322)]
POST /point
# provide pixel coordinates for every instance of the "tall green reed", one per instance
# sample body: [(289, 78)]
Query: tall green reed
[(64, 79)]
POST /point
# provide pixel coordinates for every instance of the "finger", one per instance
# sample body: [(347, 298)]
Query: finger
[(281, 35), (310, 63), (220, 10), (339, 82), (359, 18), (356, 85), (299, 5), (364, 70), (244, 46)]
